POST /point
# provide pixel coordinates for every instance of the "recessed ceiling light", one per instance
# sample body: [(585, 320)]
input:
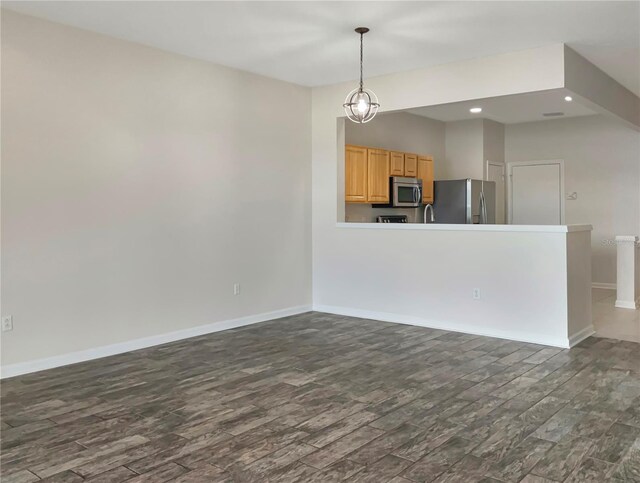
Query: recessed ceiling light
[(568, 98), (552, 114), (475, 110)]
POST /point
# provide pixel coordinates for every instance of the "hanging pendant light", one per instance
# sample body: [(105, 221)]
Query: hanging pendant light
[(361, 105)]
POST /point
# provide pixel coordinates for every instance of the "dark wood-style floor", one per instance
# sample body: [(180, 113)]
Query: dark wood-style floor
[(321, 398)]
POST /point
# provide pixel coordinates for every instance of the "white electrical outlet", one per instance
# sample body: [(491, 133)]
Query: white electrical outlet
[(7, 323), (476, 294), (236, 289)]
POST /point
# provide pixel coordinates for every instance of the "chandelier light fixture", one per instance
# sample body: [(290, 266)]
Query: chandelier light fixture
[(361, 105)]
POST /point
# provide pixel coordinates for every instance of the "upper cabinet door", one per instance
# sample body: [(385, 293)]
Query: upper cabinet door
[(410, 165), (355, 176), (378, 176), (397, 163), (425, 173)]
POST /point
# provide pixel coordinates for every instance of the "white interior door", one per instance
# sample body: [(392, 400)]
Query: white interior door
[(495, 172), (536, 192)]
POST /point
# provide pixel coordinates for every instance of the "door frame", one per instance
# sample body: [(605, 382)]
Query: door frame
[(510, 166), (503, 167)]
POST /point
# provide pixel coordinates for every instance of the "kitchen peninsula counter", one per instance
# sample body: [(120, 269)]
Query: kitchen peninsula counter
[(530, 283), (468, 227)]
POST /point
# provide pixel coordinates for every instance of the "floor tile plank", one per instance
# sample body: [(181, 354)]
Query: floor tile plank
[(321, 398)]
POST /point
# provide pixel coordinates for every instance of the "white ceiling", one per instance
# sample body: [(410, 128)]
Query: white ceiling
[(313, 43), (508, 109)]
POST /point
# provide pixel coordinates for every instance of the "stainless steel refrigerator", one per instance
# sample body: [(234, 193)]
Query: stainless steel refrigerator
[(464, 201)]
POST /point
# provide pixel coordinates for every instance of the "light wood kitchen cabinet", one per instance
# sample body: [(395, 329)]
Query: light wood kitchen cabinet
[(425, 173), (367, 172), (397, 163), (355, 179), (410, 165), (378, 169)]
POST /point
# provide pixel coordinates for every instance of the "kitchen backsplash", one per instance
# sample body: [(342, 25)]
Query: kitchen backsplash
[(364, 213)]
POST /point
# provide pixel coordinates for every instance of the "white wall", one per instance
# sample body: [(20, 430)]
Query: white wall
[(599, 91), (493, 141), (138, 186), (402, 131), (602, 164), (464, 147), (426, 278), (578, 285), (637, 274), (469, 144)]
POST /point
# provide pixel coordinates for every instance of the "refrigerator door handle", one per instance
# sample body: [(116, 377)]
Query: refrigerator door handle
[(483, 209)]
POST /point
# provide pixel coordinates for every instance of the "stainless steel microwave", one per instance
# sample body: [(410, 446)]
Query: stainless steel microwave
[(404, 193)]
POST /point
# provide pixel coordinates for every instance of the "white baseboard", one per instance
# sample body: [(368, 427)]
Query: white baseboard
[(581, 335), (20, 368), (605, 285), (626, 304), (562, 342)]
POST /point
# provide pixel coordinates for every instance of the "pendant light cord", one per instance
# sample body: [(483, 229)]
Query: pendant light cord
[(361, 50)]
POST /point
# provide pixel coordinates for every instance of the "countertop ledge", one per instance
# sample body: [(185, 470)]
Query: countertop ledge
[(449, 227), (626, 238)]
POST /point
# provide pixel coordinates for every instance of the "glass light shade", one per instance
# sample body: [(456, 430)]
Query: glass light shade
[(361, 105)]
